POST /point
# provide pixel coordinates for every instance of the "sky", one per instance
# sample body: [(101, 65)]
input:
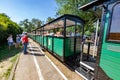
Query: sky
[(18, 10)]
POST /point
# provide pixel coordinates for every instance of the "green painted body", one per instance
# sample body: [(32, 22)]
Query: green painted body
[(110, 56), (45, 41), (58, 46), (41, 40), (31, 36), (49, 43), (69, 46), (37, 38), (34, 37)]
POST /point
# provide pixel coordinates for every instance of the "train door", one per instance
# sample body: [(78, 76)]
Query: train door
[(88, 54), (108, 62)]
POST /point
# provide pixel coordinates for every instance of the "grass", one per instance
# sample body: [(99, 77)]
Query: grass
[(5, 53), (10, 56), (7, 73)]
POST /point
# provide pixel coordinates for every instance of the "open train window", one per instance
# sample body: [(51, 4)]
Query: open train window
[(114, 30)]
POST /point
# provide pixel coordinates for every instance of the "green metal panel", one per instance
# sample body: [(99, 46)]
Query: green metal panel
[(41, 40), (110, 56), (45, 41), (78, 44), (50, 43), (69, 46), (37, 38), (33, 37), (58, 46)]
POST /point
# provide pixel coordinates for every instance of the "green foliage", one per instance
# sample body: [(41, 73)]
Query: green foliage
[(49, 19), (30, 25), (8, 27), (25, 24), (71, 7), (36, 22)]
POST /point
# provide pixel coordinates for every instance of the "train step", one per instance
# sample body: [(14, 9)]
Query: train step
[(86, 70), (88, 65), (87, 75)]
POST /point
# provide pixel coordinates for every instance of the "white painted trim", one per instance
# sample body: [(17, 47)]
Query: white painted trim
[(37, 66), (87, 66), (65, 78)]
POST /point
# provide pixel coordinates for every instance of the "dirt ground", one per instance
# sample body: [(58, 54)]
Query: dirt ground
[(71, 75)]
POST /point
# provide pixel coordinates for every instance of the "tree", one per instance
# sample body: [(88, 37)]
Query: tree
[(30, 25), (71, 7), (8, 27), (36, 22), (49, 19), (25, 24)]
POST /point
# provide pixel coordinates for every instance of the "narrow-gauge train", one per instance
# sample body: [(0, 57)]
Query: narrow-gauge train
[(67, 46)]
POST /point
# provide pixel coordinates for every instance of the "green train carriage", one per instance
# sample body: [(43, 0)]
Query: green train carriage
[(65, 47)]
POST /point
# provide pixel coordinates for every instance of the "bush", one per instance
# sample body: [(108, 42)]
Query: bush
[(8, 27)]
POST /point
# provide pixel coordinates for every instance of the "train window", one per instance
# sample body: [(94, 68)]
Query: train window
[(72, 26), (114, 33)]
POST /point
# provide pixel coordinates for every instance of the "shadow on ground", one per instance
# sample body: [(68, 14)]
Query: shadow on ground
[(35, 54), (5, 53)]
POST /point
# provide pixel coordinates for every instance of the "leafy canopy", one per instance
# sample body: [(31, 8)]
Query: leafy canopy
[(71, 7), (8, 27)]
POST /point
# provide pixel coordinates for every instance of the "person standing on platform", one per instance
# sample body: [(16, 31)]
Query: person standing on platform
[(25, 43)]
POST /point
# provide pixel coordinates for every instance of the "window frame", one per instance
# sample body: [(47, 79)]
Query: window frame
[(109, 25)]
